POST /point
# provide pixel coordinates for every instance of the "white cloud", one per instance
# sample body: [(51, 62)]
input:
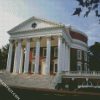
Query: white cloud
[(7, 21), (12, 12)]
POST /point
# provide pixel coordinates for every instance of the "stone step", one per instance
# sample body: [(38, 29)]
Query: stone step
[(27, 80)]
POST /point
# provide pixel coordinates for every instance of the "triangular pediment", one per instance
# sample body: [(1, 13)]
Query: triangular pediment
[(33, 23)]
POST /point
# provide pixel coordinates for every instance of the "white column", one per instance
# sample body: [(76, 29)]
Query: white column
[(37, 56), (48, 51), (21, 61), (67, 58), (63, 57), (18, 56), (9, 57), (15, 59), (59, 54), (27, 51)]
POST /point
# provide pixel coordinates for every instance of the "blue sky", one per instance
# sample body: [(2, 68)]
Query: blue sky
[(12, 12)]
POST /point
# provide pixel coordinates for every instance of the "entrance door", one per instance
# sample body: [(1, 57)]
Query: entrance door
[(32, 67), (55, 67), (43, 66)]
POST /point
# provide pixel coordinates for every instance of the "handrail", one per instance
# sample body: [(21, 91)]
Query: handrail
[(81, 73)]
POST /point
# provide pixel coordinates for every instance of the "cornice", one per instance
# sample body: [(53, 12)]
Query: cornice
[(38, 30), (77, 44)]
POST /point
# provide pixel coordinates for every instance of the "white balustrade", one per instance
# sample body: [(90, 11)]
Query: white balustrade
[(81, 73)]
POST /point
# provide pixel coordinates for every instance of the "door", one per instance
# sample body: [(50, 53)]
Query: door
[(32, 67), (43, 67)]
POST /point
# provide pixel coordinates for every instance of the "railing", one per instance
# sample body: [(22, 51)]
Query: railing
[(81, 73), (88, 86)]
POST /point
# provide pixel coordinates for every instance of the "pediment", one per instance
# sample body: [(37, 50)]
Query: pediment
[(33, 23)]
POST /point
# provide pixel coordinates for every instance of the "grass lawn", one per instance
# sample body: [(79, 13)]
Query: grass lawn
[(26, 94)]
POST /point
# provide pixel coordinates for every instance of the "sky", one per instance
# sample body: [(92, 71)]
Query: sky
[(13, 12)]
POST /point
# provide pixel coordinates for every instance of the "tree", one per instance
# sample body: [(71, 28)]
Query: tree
[(3, 56), (94, 57), (89, 5)]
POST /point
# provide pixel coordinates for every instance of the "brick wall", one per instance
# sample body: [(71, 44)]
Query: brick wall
[(78, 36)]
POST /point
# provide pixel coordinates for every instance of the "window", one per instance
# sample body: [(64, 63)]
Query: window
[(85, 67), (85, 56), (79, 66), (44, 52), (79, 54), (55, 68), (33, 67), (55, 52), (33, 51), (34, 25)]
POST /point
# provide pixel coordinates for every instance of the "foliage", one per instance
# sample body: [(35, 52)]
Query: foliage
[(3, 56), (94, 57), (89, 5)]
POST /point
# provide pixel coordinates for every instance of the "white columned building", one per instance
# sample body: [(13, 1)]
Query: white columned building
[(49, 53)]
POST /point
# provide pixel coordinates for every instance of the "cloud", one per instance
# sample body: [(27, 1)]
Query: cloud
[(93, 33), (12, 12), (7, 21)]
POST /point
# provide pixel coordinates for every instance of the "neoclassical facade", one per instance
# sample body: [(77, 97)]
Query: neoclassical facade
[(43, 47)]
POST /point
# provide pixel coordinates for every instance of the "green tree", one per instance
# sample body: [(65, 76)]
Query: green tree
[(88, 6), (94, 57), (3, 56)]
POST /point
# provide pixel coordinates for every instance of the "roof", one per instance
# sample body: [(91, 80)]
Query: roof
[(50, 22)]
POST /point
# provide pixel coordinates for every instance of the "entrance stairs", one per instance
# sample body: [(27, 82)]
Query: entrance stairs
[(30, 80)]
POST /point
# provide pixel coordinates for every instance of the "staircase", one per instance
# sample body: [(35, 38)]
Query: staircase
[(30, 80)]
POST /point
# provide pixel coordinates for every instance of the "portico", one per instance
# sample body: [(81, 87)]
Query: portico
[(43, 47), (36, 55)]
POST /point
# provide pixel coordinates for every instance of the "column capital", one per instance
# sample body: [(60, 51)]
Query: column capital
[(11, 41), (60, 36), (28, 39), (48, 37), (20, 40), (38, 38), (67, 44), (31, 39)]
